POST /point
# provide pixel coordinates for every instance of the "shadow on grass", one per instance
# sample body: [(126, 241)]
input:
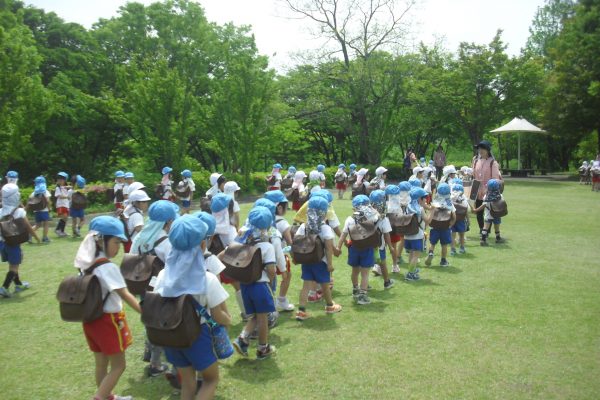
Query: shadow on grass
[(422, 282), (377, 306), (143, 387), (319, 322), (446, 270), (246, 369), (17, 297)]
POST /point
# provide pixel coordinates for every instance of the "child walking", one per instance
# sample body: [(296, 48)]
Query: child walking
[(134, 215), (444, 236), (461, 205), (42, 217), (341, 180), (413, 244), (61, 193), (76, 205), (274, 180), (187, 183), (493, 194), (378, 201), (109, 336), (119, 190), (322, 177), (165, 191)]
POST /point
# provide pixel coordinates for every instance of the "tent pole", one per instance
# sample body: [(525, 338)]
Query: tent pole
[(519, 150)]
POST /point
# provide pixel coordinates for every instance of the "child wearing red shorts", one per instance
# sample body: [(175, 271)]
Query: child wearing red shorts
[(62, 202)]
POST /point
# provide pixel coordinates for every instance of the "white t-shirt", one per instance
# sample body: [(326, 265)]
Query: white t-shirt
[(322, 176), (282, 226), (277, 183), (47, 195), (62, 191), (17, 213), (385, 227), (110, 279), (326, 233), (134, 219), (191, 185), (268, 257), (215, 294), (335, 222), (168, 192), (213, 264)]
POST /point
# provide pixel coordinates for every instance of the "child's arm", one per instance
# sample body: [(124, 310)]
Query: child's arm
[(129, 299), (270, 271), (453, 219), (476, 210), (31, 231), (287, 236), (221, 314), (388, 242), (329, 254), (341, 241)]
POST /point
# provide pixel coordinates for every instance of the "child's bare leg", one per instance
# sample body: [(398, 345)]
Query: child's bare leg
[(188, 382), (46, 225), (306, 285), (413, 260), (444, 251), (286, 278), (117, 367), (384, 270), (364, 278), (453, 239), (462, 239), (101, 367), (210, 380), (354, 277), (327, 293), (263, 328)]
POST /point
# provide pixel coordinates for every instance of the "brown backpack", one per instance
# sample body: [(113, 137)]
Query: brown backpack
[(404, 224), (14, 230), (461, 211), (307, 249), (80, 297), (183, 192), (351, 179), (160, 191), (138, 269), (171, 321), (358, 188), (498, 208), (37, 203), (216, 245), (286, 183), (119, 196), (365, 235), (243, 262), (441, 219), (271, 180), (78, 201)]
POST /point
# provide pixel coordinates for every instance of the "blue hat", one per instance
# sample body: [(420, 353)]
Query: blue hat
[(392, 189), (291, 168), (166, 170), (377, 196), (318, 203), (40, 188), (422, 159), (405, 186), (119, 174), (220, 202), (493, 184), (63, 175), (417, 193), (457, 181), (443, 189), (129, 175), (324, 193), (12, 174), (341, 166), (352, 166), (430, 162), (186, 173), (320, 168), (260, 217), (266, 203), (209, 220), (80, 182), (39, 179), (276, 196), (163, 211), (108, 226), (415, 182), (360, 200), (458, 188), (277, 165), (187, 232)]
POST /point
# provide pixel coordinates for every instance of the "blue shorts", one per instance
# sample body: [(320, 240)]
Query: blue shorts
[(364, 258), (41, 216), (495, 221), (186, 203), (460, 227), (444, 237), (12, 254), (316, 272), (258, 298), (199, 356), (382, 254), (76, 213), (413, 245)]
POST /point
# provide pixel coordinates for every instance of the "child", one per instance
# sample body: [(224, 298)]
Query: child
[(298, 184), (441, 201), (448, 173), (460, 226), (211, 261), (341, 180), (119, 190), (42, 217), (12, 177), (11, 205), (352, 175), (414, 243), (379, 181), (417, 174), (134, 215), (583, 173), (595, 172), (362, 182), (314, 181), (129, 179), (284, 229), (61, 193), (322, 178), (274, 180), (230, 189), (378, 201), (185, 273), (153, 239), (187, 181), (258, 298), (319, 272), (77, 214), (166, 185), (493, 194), (217, 183), (108, 336), (398, 198), (361, 260)]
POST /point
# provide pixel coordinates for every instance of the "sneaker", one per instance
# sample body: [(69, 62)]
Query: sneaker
[(266, 353), (444, 263), (45, 240), (335, 308), (355, 292), (411, 277), (462, 250), (363, 299), (154, 372), (315, 298), (395, 269), (173, 381), (429, 259), (499, 239), (4, 293), (284, 305), (453, 251), (22, 287), (273, 317), (240, 346), (376, 269), (389, 284), (244, 317), (301, 315)]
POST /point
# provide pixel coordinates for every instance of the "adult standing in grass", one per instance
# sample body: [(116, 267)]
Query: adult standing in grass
[(485, 167), (439, 161)]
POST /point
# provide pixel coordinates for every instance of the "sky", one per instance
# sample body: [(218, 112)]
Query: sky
[(281, 37)]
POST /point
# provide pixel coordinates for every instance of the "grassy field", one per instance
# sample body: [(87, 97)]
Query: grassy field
[(519, 320)]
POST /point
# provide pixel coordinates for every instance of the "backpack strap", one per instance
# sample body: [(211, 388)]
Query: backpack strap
[(99, 262)]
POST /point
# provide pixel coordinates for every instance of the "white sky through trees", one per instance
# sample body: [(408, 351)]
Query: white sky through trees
[(280, 37)]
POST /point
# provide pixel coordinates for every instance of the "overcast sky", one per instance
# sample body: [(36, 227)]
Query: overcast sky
[(454, 21)]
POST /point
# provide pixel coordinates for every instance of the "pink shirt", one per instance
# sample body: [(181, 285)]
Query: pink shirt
[(483, 171)]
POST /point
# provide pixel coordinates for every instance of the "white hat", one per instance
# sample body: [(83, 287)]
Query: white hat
[(134, 186), (138, 195), (314, 174), (380, 171), (231, 187), (299, 175), (362, 171), (214, 177), (417, 169), (449, 169)]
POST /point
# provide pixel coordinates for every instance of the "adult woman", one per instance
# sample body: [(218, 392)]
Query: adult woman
[(439, 161), (485, 167)]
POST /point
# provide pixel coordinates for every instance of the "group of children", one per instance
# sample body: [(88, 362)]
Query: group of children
[(589, 174)]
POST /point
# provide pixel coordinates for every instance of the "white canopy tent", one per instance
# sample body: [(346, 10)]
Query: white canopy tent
[(518, 126)]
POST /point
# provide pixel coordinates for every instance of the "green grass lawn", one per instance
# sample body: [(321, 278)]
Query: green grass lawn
[(519, 320)]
